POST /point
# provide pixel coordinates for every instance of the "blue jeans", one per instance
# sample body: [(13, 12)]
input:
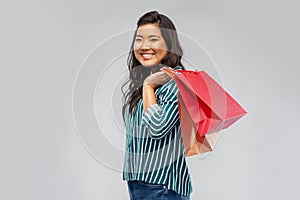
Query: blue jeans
[(139, 190)]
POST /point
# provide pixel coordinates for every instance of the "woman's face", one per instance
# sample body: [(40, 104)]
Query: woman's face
[(149, 45)]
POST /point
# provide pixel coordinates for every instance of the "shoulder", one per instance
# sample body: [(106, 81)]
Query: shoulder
[(171, 83), (168, 89)]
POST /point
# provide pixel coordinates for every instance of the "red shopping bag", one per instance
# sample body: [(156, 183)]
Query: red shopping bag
[(205, 109)]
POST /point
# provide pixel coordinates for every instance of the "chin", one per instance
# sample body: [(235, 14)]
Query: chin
[(147, 64)]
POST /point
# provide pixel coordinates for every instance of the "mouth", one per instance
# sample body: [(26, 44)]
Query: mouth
[(147, 56)]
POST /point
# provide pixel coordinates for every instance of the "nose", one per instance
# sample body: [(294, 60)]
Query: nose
[(145, 45)]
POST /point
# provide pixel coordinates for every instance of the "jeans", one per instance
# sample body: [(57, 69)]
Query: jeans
[(139, 190)]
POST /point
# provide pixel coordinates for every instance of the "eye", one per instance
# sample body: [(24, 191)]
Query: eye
[(138, 39), (153, 39)]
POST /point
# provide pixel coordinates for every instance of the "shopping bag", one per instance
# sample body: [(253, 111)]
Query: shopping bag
[(205, 109)]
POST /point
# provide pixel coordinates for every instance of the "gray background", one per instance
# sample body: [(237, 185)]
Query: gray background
[(254, 44)]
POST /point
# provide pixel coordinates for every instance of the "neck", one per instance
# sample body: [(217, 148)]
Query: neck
[(155, 68)]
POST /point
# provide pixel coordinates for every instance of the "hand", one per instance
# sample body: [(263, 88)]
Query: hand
[(157, 79)]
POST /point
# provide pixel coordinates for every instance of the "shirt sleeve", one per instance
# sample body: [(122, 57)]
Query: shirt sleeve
[(161, 118)]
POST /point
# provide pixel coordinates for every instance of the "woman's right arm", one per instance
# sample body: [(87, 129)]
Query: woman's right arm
[(161, 118), (148, 96)]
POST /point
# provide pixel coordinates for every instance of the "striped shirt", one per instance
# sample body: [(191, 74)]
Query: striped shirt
[(154, 151)]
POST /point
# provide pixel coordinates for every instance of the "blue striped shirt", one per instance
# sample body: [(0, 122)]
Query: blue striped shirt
[(154, 151)]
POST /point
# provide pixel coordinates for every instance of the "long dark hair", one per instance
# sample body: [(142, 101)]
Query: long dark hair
[(138, 73)]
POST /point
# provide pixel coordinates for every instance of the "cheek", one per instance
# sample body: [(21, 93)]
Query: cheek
[(135, 46), (162, 53), (162, 49), (135, 53)]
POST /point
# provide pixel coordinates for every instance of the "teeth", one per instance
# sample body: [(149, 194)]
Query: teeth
[(147, 55)]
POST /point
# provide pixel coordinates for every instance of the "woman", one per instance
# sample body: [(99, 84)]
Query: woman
[(154, 163)]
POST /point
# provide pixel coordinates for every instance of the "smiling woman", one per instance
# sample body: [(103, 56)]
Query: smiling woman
[(154, 164)]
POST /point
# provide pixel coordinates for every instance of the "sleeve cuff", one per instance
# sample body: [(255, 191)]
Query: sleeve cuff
[(147, 115)]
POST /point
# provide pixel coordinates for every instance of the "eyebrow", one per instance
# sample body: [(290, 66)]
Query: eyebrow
[(149, 36)]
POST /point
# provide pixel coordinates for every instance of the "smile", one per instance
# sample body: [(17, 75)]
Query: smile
[(147, 55)]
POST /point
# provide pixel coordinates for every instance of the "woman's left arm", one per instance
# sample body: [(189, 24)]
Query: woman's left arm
[(160, 118)]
